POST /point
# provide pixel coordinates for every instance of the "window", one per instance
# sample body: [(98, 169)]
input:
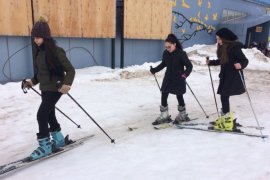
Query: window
[(267, 10), (230, 15)]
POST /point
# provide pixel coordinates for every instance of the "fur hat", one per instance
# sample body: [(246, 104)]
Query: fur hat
[(226, 34), (41, 28)]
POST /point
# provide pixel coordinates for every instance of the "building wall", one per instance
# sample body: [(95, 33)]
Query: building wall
[(252, 10), (204, 17), (81, 53), (196, 21), (14, 64), (253, 36)]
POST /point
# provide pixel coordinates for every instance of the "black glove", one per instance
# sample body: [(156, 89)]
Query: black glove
[(27, 83), (152, 70)]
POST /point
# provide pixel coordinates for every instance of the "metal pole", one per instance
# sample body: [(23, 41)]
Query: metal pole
[(213, 88), (112, 140), (243, 82), (113, 53), (207, 116)]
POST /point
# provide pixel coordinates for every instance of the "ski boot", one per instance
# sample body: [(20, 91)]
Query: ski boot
[(219, 120), (164, 116), (182, 116), (44, 149), (227, 123), (58, 140)]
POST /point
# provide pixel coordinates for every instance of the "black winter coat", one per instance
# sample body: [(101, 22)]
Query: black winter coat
[(175, 62), (230, 81)]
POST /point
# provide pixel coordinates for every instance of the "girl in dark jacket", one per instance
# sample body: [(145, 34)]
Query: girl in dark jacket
[(178, 69), (51, 66), (232, 61)]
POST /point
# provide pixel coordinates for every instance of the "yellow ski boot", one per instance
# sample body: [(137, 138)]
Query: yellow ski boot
[(219, 120), (229, 124), (219, 123), (225, 123)]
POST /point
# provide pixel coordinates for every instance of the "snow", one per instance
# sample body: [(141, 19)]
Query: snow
[(122, 98)]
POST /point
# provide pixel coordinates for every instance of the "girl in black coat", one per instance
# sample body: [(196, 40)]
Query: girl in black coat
[(178, 69), (232, 61)]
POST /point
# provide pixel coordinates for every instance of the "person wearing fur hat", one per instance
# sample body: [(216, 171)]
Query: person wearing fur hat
[(232, 61), (50, 67), (178, 68)]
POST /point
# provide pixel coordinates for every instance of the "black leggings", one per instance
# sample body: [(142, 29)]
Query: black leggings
[(46, 114), (225, 104), (164, 98)]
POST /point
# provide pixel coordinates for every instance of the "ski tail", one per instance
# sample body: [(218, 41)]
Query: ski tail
[(217, 131)]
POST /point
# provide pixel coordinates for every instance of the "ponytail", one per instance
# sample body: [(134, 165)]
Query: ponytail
[(171, 38)]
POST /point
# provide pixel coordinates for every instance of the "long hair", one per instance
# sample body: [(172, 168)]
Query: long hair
[(50, 51), (171, 38), (222, 51)]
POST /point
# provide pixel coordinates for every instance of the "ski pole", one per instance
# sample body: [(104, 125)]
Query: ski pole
[(112, 140), (244, 84), (207, 116), (25, 91), (156, 81), (213, 88)]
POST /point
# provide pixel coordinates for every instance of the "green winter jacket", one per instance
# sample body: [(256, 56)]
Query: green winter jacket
[(43, 76)]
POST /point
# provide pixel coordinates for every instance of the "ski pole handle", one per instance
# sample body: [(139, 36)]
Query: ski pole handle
[(207, 60), (58, 84), (213, 89), (22, 86)]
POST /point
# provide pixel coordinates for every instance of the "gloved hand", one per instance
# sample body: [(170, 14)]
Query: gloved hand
[(27, 83), (183, 76), (207, 61), (64, 89), (152, 70)]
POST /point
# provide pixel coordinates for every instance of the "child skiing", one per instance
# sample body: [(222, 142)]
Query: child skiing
[(232, 61), (178, 69), (51, 65)]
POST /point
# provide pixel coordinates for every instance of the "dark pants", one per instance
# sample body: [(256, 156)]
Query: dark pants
[(46, 114), (225, 104), (164, 98)]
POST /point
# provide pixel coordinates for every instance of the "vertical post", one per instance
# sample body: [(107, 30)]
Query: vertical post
[(32, 41), (122, 55), (249, 39), (113, 53), (122, 46)]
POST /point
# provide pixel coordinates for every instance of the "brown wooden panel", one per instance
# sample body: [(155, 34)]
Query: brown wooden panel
[(80, 18), (15, 17), (149, 19)]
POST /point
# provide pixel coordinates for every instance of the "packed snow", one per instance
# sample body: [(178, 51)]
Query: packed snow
[(129, 98)]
